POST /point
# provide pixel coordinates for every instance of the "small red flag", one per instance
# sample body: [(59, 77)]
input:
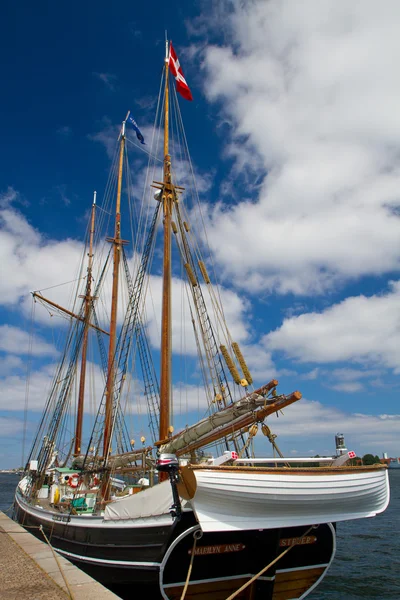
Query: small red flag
[(177, 72)]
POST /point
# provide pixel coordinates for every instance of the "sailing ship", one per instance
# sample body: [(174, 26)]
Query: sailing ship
[(193, 511)]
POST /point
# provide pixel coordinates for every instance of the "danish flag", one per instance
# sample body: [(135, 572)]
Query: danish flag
[(177, 72)]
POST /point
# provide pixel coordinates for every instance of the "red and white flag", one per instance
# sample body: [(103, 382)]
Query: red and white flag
[(176, 70)]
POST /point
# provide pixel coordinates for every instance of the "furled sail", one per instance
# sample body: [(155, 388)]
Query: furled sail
[(253, 407), (127, 458), (229, 414)]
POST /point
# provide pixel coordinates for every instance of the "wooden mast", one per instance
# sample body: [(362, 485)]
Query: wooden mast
[(117, 242), (167, 200), (88, 301), (66, 311)]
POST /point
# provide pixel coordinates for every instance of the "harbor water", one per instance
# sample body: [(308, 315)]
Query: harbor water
[(367, 562)]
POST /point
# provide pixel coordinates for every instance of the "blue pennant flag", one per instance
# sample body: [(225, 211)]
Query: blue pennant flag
[(139, 134)]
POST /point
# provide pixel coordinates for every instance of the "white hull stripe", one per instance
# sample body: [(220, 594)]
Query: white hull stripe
[(230, 578), (105, 561), (323, 565)]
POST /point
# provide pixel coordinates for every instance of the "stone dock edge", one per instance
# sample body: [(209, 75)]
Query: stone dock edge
[(81, 585)]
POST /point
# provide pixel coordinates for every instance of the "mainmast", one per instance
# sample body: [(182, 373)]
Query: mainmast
[(117, 242), (88, 301), (167, 200)]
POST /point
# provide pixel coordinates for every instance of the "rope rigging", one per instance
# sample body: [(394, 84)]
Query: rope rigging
[(200, 300)]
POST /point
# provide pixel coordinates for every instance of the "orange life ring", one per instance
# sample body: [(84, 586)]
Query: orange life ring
[(96, 481), (74, 480)]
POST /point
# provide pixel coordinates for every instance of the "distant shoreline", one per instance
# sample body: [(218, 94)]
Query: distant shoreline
[(13, 471)]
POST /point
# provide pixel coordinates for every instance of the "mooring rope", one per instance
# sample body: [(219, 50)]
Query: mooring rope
[(58, 563), (196, 536), (10, 508), (53, 551), (245, 585)]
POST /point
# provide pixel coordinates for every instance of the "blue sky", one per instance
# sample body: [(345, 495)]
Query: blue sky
[(294, 128)]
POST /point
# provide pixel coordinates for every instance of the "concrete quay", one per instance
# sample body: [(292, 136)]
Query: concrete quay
[(28, 570)]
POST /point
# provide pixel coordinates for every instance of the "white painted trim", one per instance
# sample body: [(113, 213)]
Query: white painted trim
[(107, 562), (308, 459), (303, 568), (167, 555), (94, 521), (199, 581)]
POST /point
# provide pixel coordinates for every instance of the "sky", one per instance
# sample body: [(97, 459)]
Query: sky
[(294, 132)]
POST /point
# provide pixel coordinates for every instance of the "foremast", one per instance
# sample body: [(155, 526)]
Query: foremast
[(88, 304), (60, 393)]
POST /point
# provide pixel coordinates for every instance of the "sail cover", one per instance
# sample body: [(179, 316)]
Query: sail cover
[(155, 501)]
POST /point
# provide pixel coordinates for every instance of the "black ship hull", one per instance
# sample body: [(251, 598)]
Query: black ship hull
[(161, 551)]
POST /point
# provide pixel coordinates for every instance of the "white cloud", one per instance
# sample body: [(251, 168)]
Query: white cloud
[(61, 190), (309, 421), (260, 363), (348, 387), (33, 262), (15, 388), (189, 398), (181, 168), (17, 341), (350, 380), (358, 329), (236, 312), (107, 136), (10, 427), (109, 80), (8, 197), (10, 364), (311, 375), (30, 260), (349, 375), (310, 94)]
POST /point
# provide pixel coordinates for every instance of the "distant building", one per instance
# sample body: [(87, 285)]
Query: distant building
[(340, 444), (392, 463)]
